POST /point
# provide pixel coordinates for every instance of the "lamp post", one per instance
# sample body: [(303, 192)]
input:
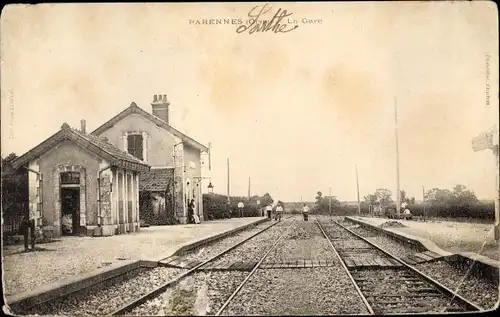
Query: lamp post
[(210, 188)]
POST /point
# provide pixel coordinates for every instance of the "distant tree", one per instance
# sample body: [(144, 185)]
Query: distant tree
[(461, 195), (438, 196), (266, 200), (384, 196), (371, 199), (319, 198), (405, 199), (324, 204), (15, 191), (402, 196)]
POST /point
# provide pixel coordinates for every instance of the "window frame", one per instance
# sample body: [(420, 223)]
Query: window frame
[(144, 136)]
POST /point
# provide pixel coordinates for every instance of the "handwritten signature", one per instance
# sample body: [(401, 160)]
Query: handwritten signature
[(275, 24)]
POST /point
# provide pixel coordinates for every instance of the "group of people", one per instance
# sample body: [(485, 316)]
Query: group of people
[(279, 212), (277, 215)]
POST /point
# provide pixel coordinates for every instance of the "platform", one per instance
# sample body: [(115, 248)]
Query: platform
[(71, 257)]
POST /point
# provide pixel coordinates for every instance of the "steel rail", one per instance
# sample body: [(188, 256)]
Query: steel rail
[(365, 301), (253, 271), (137, 302), (443, 289)]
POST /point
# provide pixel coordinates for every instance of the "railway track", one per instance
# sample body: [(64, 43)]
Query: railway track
[(159, 290), (387, 284), (289, 278), (226, 303)]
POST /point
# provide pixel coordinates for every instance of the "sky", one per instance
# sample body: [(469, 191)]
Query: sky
[(296, 112)]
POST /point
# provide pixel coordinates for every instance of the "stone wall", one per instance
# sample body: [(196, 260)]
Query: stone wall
[(105, 198)]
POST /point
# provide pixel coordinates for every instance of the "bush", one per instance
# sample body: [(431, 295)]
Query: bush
[(295, 212), (165, 216), (216, 207), (340, 210), (479, 210)]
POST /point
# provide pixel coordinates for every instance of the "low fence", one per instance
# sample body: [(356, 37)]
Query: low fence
[(11, 218)]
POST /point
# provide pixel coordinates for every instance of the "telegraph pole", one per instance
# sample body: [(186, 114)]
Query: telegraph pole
[(249, 188), (357, 186), (423, 199), (398, 202), (228, 180), (330, 202), (210, 156)]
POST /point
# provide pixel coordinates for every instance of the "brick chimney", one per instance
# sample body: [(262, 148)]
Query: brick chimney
[(160, 106), (82, 126)]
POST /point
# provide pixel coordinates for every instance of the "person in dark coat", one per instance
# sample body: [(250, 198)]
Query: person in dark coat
[(24, 229), (32, 233), (191, 211)]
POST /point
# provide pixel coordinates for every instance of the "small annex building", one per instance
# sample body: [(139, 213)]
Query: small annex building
[(80, 184)]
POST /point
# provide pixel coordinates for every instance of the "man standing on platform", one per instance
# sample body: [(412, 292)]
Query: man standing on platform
[(240, 208), (269, 210)]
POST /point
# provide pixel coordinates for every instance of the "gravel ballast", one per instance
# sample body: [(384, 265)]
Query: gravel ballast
[(211, 249), (320, 291), (254, 249), (109, 299), (477, 290), (304, 241), (202, 293)]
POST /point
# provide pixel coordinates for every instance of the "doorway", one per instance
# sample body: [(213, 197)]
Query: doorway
[(70, 210)]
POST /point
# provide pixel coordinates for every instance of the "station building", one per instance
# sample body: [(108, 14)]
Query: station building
[(80, 184)]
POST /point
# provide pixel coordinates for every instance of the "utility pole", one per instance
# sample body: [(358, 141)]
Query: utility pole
[(330, 202), (357, 186), (398, 201), (423, 199), (210, 156), (228, 180), (249, 188)]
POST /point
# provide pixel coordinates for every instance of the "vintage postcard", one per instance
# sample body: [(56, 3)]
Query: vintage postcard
[(251, 158)]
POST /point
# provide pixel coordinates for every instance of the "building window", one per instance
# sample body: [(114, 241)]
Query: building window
[(70, 178), (135, 145)]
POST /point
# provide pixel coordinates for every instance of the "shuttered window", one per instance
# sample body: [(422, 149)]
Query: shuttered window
[(135, 145)]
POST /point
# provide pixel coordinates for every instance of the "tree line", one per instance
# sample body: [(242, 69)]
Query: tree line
[(457, 202)]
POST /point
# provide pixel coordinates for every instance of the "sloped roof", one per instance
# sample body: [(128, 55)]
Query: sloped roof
[(156, 179), (159, 122), (94, 144)]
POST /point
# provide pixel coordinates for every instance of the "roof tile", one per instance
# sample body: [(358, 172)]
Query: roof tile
[(156, 179)]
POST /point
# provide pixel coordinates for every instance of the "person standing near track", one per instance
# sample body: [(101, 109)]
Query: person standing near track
[(279, 212), (305, 212), (269, 210)]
